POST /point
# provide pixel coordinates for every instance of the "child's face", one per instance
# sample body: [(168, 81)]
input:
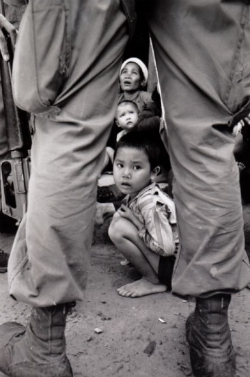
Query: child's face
[(130, 78), (126, 116), (132, 170)]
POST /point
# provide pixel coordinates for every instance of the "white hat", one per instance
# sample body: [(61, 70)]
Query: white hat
[(141, 65)]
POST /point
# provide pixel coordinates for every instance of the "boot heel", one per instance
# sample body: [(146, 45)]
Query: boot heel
[(209, 338)]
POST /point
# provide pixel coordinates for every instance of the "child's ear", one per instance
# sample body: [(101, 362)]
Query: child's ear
[(156, 171), (117, 123)]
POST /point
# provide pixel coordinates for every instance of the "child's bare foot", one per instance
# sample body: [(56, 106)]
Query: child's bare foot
[(125, 262), (141, 288)]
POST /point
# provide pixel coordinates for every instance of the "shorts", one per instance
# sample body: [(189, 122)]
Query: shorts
[(165, 270)]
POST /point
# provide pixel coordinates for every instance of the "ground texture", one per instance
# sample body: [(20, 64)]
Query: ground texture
[(141, 337)]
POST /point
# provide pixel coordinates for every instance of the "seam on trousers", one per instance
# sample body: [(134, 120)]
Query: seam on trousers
[(128, 7), (243, 22), (18, 269)]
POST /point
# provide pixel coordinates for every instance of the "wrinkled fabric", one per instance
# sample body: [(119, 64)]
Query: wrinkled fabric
[(49, 259), (202, 51), (16, 3), (202, 55), (156, 211)]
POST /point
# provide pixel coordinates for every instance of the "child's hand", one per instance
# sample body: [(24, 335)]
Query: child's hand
[(116, 215), (126, 213)]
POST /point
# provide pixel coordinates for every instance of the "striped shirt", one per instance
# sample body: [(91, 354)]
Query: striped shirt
[(156, 211)]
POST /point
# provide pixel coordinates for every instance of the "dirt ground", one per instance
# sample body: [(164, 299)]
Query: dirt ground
[(133, 340)]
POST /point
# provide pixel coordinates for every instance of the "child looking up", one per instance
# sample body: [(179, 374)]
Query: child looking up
[(126, 118), (127, 115), (144, 229)]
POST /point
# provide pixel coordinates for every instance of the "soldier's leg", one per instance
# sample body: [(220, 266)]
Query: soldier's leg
[(203, 89), (49, 259)]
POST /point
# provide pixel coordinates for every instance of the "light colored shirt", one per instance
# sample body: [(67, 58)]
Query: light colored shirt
[(156, 211)]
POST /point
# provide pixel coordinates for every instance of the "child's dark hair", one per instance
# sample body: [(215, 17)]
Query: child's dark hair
[(145, 141), (150, 124), (125, 101)]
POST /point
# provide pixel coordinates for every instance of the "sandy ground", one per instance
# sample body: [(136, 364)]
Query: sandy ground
[(133, 342)]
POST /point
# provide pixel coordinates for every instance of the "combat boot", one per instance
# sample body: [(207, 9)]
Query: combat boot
[(209, 338), (39, 349)]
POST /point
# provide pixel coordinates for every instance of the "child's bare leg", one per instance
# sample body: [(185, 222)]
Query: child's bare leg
[(108, 157), (125, 236), (110, 152)]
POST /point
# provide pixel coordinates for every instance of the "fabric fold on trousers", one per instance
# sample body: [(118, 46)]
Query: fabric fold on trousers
[(202, 52), (49, 259)]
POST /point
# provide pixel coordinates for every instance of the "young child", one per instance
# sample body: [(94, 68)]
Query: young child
[(133, 79), (126, 118), (144, 229), (127, 115)]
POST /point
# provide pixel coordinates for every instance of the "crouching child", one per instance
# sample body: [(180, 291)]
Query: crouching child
[(143, 229)]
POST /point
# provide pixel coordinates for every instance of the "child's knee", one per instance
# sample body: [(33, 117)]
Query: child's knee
[(115, 229), (111, 231)]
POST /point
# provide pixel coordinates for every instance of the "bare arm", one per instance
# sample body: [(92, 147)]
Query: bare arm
[(126, 213)]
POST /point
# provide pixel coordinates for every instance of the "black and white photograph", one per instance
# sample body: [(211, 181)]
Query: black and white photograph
[(125, 188)]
